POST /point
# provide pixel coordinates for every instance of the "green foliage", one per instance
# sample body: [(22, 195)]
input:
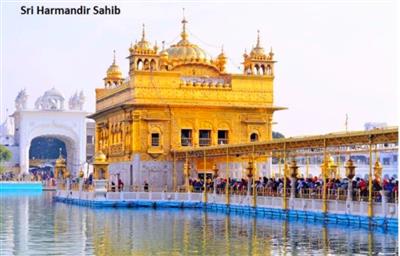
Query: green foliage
[(277, 135), (5, 154)]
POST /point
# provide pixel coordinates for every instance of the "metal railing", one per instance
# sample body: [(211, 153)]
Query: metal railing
[(203, 142), (186, 142)]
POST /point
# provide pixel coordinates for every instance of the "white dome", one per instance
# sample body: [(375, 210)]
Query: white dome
[(53, 92)]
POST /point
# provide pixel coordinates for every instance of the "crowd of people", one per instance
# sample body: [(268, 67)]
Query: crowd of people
[(302, 186)]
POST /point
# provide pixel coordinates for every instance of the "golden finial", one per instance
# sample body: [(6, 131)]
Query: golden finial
[(163, 45), (114, 57), (143, 32), (60, 150), (184, 21), (155, 46), (258, 39)]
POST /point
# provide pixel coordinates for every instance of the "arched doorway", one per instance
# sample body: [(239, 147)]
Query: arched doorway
[(49, 118), (43, 152), (75, 145)]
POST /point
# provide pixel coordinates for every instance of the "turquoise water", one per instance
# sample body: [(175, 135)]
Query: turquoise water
[(33, 224), (13, 186)]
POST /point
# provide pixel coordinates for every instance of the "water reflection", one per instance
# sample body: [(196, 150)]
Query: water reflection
[(33, 224)]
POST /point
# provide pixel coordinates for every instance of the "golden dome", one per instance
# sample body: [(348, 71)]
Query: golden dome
[(60, 161), (143, 45), (187, 52), (222, 56), (114, 72), (100, 157), (258, 51)]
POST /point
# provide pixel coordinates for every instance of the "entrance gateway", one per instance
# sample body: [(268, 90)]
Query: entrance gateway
[(50, 118)]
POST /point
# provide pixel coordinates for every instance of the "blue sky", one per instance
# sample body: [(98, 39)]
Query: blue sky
[(333, 59)]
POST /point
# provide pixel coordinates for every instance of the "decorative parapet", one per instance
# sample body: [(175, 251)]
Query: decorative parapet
[(206, 82)]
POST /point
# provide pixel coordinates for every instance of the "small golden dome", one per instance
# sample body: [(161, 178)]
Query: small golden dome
[(60, 161), (114, 72), (377, 165), (100, 157), (258, 51), (163, 53), (143, 44), (222, 56)]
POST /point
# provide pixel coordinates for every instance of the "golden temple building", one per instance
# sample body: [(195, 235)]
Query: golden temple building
[(179, 97)]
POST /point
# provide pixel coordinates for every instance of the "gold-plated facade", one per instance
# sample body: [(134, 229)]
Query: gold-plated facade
[(181, 97)]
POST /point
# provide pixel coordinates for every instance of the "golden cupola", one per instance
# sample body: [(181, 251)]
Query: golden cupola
[(220, 62), (143, 57), (143, 46), (258, 62), (114, 75)]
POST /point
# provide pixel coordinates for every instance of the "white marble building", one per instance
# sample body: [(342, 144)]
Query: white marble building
[(49, 118)]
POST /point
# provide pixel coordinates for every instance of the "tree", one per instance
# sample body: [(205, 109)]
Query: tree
[(277, 135), (5, 155)]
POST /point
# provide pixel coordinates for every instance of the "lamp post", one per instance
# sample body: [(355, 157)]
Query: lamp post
[(350, 173), (60, 172), (293, 176), (215, 176), (249, 174), (378, 177), (326, 166)]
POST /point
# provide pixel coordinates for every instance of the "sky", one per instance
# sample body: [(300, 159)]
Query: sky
[(334, 58)]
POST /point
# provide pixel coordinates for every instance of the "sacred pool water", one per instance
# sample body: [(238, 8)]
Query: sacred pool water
[(34, 224)]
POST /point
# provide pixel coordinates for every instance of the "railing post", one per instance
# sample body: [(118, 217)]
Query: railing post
[(227, 189), (284, 177), (324, 174), (174, 173), (254, 181), (370, 210), (186, 172), (205, 178)]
